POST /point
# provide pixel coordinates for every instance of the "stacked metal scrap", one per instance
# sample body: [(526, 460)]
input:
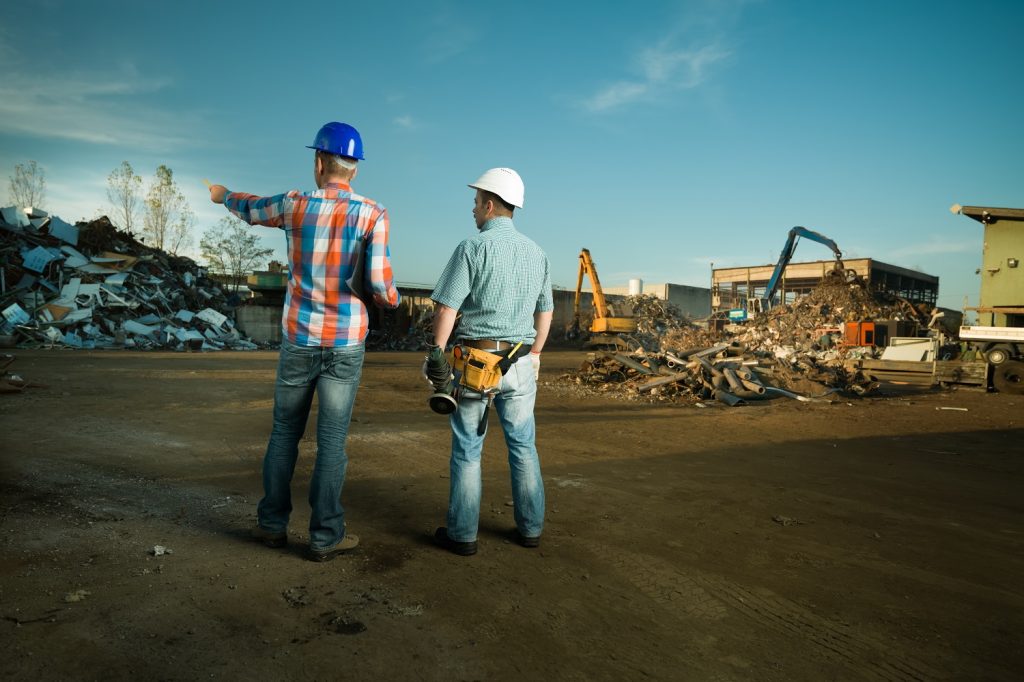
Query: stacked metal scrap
[(655, 319), (801, 326), (418, 336), (791, 351), (722, 372), (92, 286)]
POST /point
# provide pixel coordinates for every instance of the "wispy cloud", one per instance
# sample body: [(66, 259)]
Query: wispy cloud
[(662, 69), (449, 36), (406, 122), (98, 108)]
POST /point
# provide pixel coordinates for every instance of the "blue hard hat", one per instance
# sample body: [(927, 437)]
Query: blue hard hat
[(339, 138)]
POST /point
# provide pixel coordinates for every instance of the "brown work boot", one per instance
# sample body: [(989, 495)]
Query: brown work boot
[(273, 540), (349, 542)]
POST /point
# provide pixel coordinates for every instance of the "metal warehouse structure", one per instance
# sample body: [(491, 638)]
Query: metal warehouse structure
[(732, 287)]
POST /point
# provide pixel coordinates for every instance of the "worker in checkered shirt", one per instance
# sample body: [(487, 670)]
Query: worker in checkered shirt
[(339, 259), (499, 279)]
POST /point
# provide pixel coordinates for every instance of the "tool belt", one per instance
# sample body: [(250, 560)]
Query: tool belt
[(481, 370)]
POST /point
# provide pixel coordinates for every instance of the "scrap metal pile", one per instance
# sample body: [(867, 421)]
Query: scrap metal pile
[(92, 286), (794, 351), (417, 335)]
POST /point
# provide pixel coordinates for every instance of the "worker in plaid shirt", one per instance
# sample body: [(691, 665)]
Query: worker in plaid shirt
[(338, 258)]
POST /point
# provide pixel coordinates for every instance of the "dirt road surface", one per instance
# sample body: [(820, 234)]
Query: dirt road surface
[(870, 539)]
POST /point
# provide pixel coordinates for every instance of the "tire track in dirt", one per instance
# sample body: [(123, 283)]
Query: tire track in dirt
[(686, 592)]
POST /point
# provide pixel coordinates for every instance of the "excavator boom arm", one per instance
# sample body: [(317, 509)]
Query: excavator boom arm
[(787, 254), (587, 266)]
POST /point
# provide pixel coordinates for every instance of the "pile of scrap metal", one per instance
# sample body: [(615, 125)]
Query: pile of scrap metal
[(811, 323), (725, 372), (417, 336), (92, 286), (655, 319), (796, 350)]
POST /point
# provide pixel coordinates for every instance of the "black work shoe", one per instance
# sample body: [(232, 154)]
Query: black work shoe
[(273, 540), (526, 541), (349, 542), (442, 540)]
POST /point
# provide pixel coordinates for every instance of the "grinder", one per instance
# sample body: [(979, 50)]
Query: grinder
[(438, 374)]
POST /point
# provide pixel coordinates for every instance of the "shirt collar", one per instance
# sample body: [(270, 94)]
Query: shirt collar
[(497, 223), (338, 186)]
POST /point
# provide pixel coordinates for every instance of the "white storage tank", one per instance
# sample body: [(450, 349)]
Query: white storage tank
[(636, 287)]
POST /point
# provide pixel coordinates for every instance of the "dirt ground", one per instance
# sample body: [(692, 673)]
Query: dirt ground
[(869, 539)]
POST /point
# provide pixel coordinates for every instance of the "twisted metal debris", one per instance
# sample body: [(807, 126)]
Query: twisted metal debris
[(792, 351)]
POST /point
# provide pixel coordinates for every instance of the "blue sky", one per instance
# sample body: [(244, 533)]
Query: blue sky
[(663, 136)]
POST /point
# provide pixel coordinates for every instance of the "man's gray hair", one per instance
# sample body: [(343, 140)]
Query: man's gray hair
[(337, 165)]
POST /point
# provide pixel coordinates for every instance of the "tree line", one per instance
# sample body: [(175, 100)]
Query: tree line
[(161, 216)]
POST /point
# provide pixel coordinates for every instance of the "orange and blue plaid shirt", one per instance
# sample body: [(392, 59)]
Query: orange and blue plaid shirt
[(326, 230)]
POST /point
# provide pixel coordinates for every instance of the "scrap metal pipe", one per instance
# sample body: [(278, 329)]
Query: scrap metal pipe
[(753, 386), (737, 387), (633, 364), (730, 376), (746, 375), (654, 383), (713, 350), (729, 399), (712, 370)]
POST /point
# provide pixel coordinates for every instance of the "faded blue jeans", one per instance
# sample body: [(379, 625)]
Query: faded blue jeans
[(514, 404), (333, 373)]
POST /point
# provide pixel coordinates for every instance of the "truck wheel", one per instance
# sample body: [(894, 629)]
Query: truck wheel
[(1008, 377), (997, 355)]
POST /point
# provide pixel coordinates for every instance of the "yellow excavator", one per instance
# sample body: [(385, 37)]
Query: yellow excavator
[(605, 330)]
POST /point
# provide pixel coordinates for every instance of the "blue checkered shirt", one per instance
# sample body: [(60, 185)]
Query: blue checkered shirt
[(498, 279)]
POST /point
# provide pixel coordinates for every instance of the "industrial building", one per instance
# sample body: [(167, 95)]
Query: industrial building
[(693, 302), (732, 287), (1001, 301)]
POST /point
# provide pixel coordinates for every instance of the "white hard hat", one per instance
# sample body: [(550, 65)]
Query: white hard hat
[(504, 182)]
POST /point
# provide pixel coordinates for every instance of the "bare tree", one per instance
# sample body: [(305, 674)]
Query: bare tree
[(165, 205), (124, 190), (28, 185), (179, 236), (231, 249)]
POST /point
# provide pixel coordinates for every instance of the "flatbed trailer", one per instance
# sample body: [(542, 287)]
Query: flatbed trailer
[(928, 372)]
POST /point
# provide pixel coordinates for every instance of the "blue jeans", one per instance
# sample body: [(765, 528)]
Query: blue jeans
[(514, 404), (333, 373)]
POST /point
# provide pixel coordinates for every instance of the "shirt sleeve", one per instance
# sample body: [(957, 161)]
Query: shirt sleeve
[(456, 280), (378, 254), (268, 211), (545, 301)]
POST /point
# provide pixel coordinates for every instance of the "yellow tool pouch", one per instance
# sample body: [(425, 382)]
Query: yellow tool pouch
[(479, 369)]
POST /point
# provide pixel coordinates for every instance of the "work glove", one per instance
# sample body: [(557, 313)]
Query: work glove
[(535, 361), (436, 369)]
